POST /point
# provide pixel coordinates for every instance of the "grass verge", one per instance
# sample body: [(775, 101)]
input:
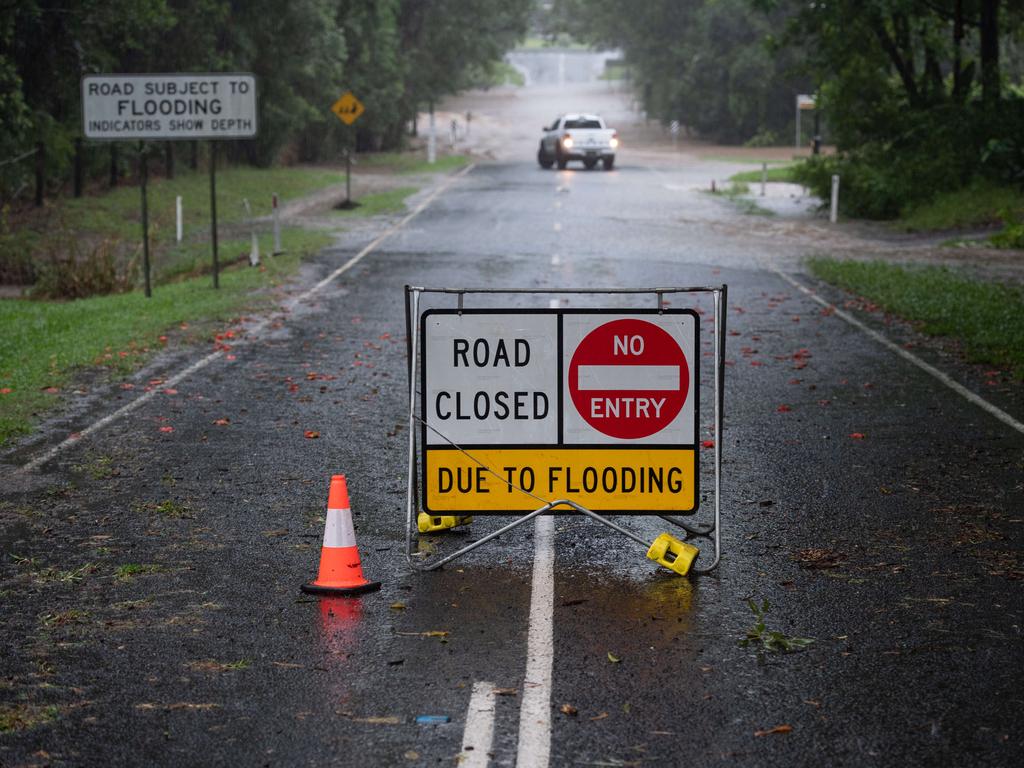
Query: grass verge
[(391, 201), (45, 342), (986, 318), (412, 162), (783, 173), (735, 193), (115, 215), (980, 204)]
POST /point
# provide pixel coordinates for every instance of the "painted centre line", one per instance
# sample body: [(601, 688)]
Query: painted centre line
[(479, 732), (956, 386), (534, 749), (197, 366)]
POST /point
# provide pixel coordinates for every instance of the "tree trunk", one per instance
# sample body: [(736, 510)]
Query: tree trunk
[(990, 52)]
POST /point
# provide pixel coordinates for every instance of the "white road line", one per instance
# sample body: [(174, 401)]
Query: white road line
[(534, 749), (960, 389), (479, 732), (124, 410)]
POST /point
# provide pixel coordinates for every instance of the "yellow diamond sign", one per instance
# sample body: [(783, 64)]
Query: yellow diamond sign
[(348, 108)]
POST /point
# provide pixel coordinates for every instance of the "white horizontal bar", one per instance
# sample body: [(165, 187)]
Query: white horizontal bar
[(621, 377)]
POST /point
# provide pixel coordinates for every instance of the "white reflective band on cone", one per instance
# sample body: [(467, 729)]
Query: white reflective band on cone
[(338, 530)]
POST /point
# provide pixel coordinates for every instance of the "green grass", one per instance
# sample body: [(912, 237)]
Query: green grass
[(412, 162), (735, 194), (117, 212), (392, 201), (615, 70), (746, 160), (115, 215), (782, 173), (562, 41), (44, 342), (987, 318), (980, 204)]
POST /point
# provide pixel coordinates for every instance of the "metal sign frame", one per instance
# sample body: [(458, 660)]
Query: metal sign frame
[(710, 531)]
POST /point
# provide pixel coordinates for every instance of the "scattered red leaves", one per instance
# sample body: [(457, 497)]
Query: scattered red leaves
[(222, 422), (170, 391), (167, 429), (311, 434), (6, 391), (857, 435), (51, 390), (784, 728), (707, 444), (783, 409), (162, 339)]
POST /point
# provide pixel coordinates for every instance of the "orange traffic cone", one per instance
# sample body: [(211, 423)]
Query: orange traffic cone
[(341, 573)]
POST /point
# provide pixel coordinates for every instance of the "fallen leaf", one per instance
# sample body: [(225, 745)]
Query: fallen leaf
[(388, 720), (613, 658), (170, 391), (431, 633), (222, 422), (776, 729), (311, 434), (602, 716), (6, 391), (707, 443), (569, 709), (166, 429), (505, 691), (397, 606), (857, 435), (783, 409), (816, 557)]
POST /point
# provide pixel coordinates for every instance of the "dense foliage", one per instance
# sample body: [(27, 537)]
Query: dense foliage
[(710, 64), (919, 96), (397, 55)]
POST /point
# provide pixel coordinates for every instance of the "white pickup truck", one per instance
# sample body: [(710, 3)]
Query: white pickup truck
[(578, 137)]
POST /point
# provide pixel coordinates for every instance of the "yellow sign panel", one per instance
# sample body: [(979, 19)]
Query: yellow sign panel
[(348, 108), (601, 479)]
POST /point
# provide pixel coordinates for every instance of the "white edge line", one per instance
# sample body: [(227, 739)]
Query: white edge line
[(478, 735), (124, 410), (960, 389), (534, 749)]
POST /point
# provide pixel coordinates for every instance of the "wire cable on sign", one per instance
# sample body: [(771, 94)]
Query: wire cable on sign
[(474, 459)]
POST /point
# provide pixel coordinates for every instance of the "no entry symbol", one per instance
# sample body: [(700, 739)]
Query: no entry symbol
[(628, 378)]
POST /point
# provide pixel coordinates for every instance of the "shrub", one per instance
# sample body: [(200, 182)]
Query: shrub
[(73, 269)]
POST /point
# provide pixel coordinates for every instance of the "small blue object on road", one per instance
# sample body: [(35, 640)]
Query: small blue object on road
[(432, 719)]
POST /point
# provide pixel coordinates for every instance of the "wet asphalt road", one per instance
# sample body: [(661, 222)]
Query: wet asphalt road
[(898, 551)]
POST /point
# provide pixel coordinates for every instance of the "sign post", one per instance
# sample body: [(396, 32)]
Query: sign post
[(143, 179), (171, 107), (590, 411), (348, 109), (803, 101)]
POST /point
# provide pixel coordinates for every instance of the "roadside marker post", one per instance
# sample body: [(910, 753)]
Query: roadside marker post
[(254, 246), (277, 227), (833, 211), (764, 177), (526, 412), (178, 224), (143, 181)]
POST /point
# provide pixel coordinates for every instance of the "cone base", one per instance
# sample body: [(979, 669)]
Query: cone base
[(319, 589)]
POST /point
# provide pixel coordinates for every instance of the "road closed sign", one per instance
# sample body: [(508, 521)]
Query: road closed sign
[(523, 408)]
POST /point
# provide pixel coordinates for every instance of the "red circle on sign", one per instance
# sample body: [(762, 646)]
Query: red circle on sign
[(617, 401)]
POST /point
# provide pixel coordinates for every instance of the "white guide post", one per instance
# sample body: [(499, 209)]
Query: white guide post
[(177, 211), (833, 214)]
